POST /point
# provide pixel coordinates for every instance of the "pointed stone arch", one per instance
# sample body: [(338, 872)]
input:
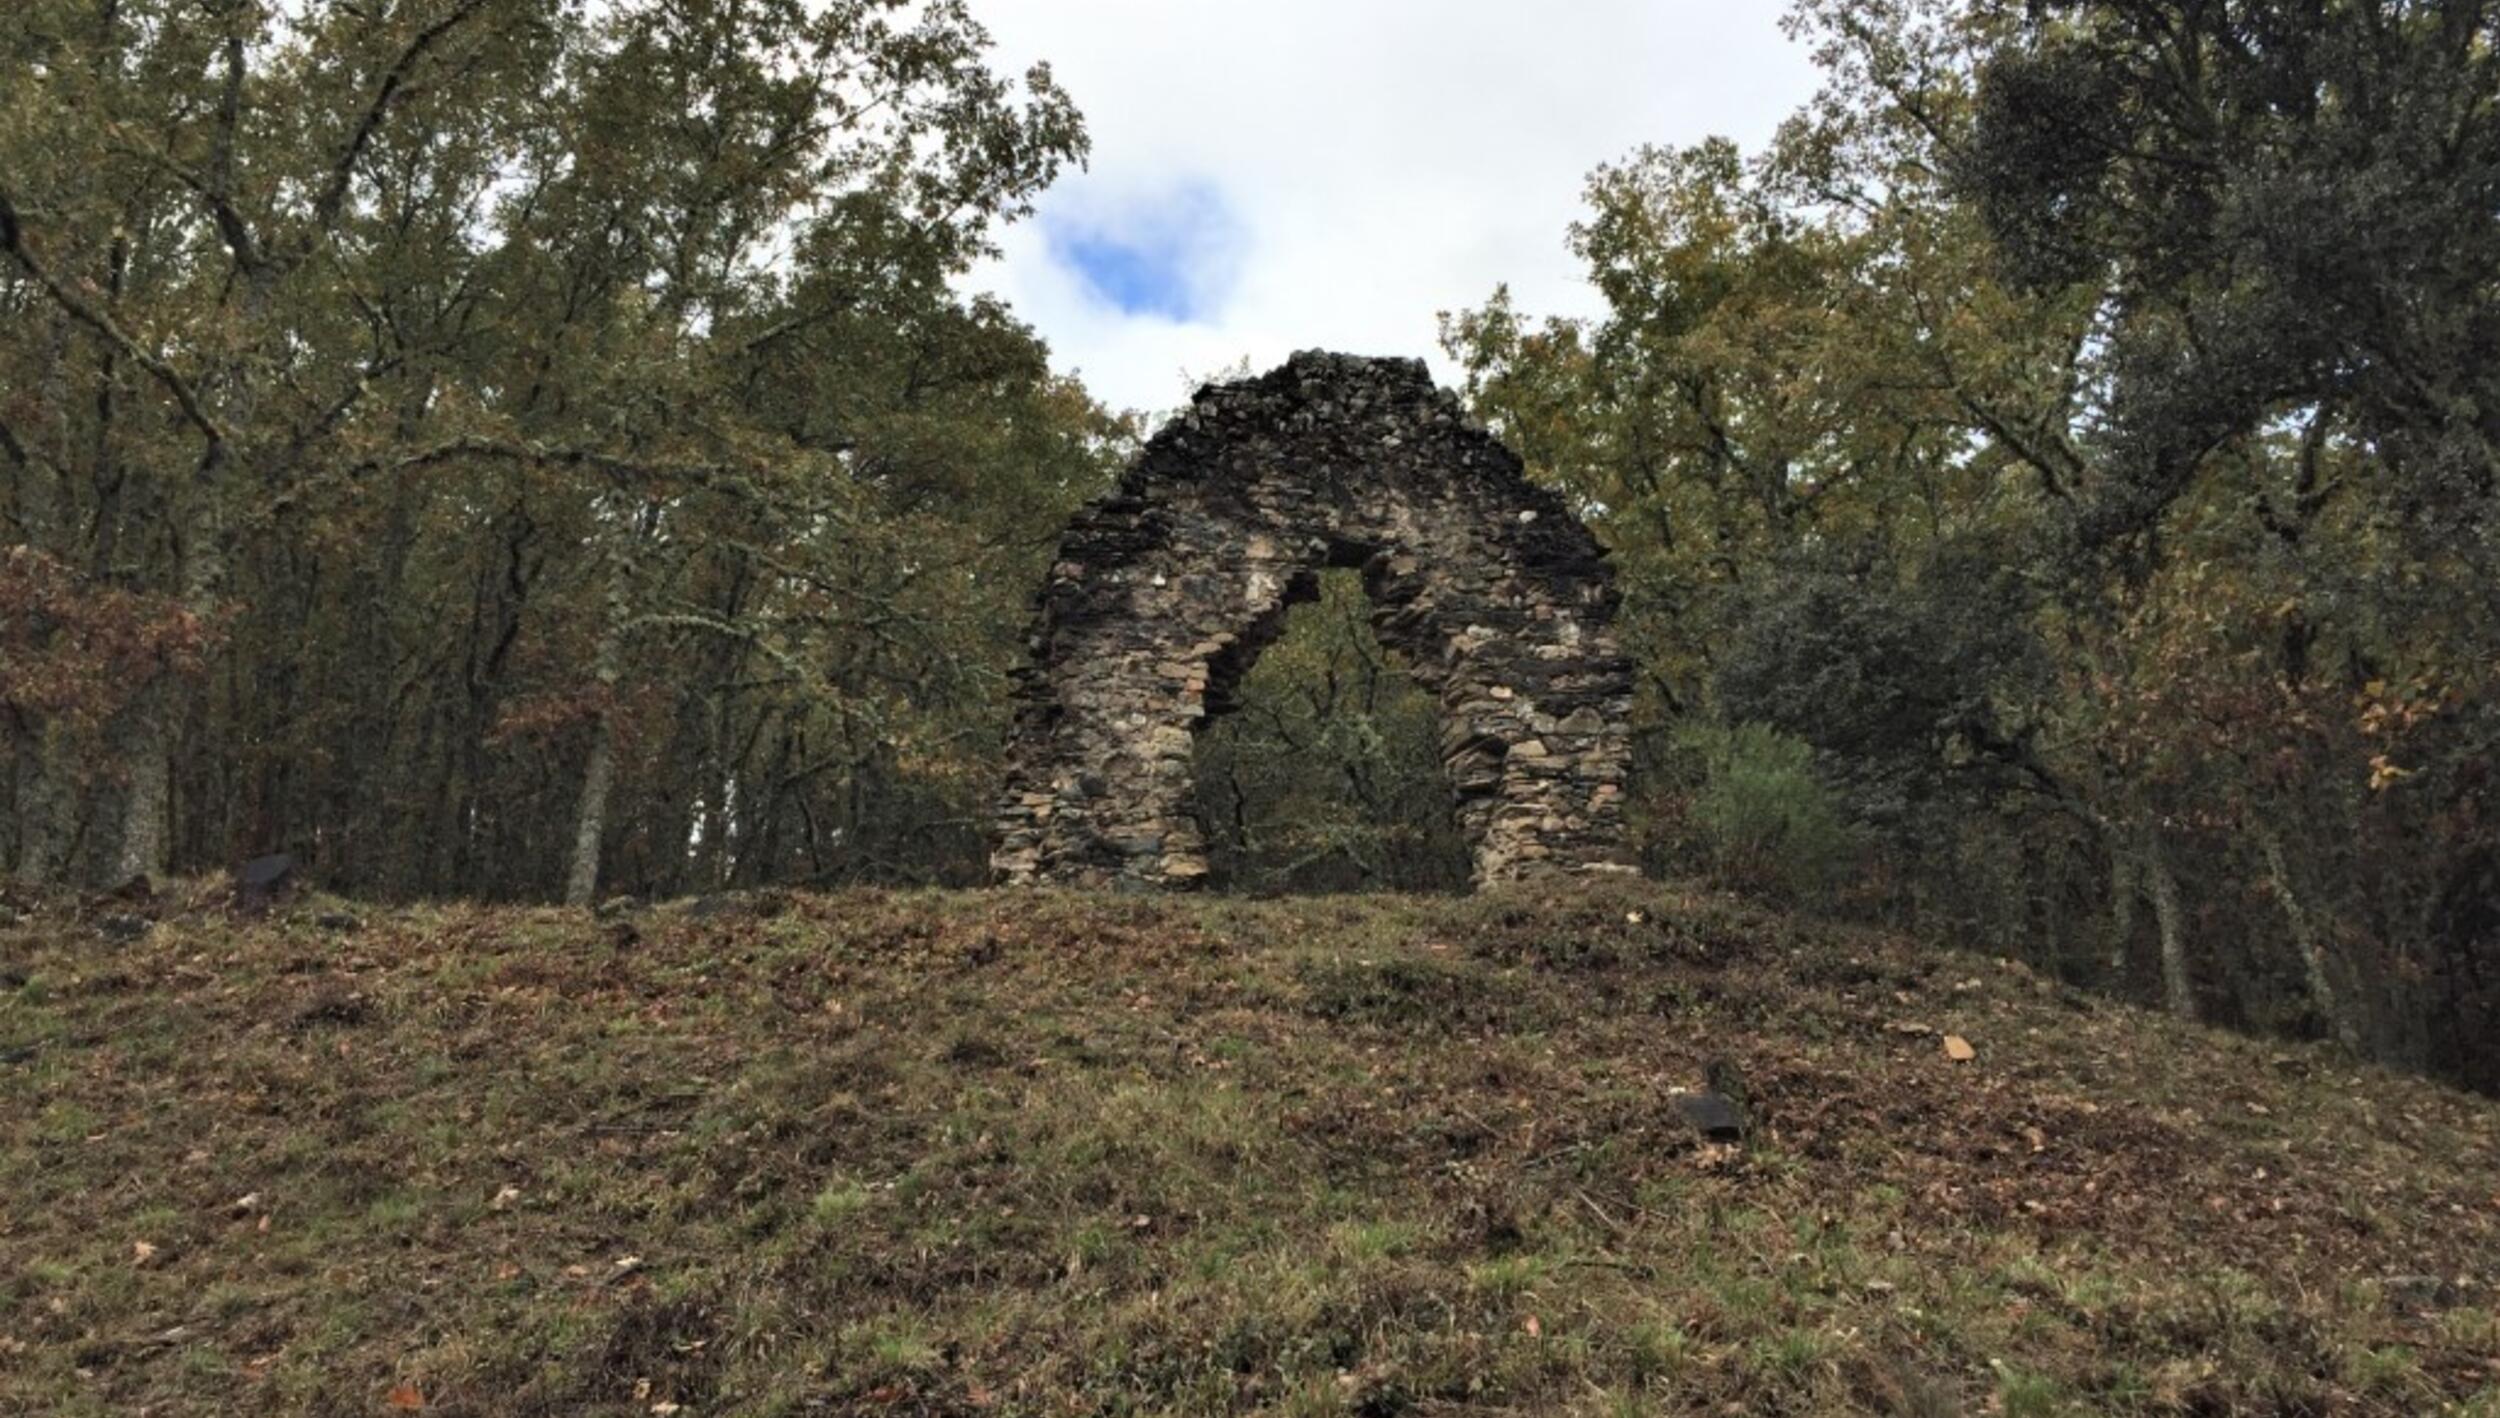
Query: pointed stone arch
[(1165, 591)]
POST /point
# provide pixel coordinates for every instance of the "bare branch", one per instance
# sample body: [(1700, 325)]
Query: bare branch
[(394, 83), (219, 189), (231, 225), (16, 448), (13, 241), (615, 465)]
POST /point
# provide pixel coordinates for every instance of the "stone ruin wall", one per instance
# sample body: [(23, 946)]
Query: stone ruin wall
[(1165, 590)]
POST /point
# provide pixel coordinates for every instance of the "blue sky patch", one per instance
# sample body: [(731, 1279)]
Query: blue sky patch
[(1170, 254)]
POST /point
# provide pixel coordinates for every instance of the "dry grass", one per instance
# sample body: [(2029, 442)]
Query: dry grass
[(1047, 1154)]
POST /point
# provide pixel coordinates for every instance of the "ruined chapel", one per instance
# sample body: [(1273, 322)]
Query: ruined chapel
[(1165, 590)]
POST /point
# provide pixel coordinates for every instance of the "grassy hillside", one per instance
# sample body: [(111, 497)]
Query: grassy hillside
[(1046, 1154)]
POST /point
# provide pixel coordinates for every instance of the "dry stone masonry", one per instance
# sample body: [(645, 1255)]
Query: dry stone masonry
[(1166, 590)]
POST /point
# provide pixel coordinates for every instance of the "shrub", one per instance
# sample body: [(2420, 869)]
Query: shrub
[(1759, 816)]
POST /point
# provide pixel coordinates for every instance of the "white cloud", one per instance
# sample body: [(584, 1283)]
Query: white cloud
[(1382, 160), (1173, 250)]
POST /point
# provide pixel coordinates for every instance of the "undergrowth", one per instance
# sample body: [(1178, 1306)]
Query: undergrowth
[(1051, 1154)]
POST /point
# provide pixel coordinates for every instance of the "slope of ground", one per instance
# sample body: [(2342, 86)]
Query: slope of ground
[(1046, 1154)]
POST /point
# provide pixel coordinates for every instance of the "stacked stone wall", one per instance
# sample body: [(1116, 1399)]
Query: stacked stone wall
[(1165, 591)]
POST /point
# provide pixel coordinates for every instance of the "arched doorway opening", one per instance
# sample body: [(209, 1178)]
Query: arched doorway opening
[(1321, 769)]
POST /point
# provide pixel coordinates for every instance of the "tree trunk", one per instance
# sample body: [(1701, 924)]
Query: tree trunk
[(2322, 992), (45, 802), (46, 809), (145, 742), (147, 811), (591, 823), (2124, 883), (147, 808), (2178, 992)]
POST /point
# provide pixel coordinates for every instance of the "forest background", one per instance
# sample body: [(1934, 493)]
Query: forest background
[(491, 449)]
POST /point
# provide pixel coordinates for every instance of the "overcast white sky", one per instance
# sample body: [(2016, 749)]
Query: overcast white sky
[(1274, 175)]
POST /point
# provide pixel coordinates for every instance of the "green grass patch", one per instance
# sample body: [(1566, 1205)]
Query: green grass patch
[(1042, 1153)]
